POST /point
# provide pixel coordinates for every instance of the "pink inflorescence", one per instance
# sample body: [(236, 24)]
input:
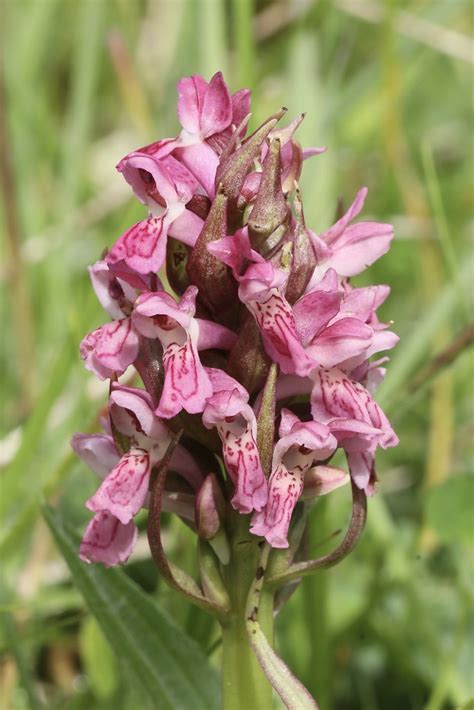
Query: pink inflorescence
[(221, 284)]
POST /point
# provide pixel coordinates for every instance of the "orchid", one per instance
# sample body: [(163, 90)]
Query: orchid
[(233, 321)]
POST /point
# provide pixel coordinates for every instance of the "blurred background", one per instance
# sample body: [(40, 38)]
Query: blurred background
[(387, 86)]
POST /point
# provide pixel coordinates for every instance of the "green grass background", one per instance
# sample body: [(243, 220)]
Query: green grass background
[(387, 86)]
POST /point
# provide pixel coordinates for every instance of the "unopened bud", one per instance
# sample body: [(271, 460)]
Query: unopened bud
[(293, 170), (217, 288), (210, 508), (248, 361), (233, 168), (304, 259), (270, 209), (320, 480)]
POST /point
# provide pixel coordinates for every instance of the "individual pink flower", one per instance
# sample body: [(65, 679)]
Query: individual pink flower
[(165, 186), (124, 490), (356, 420), (338, 326), (300, 444), (350, 248), (115, 294), (362, 303), (261, 289), (228, 410), (110, 349), (186, 385)]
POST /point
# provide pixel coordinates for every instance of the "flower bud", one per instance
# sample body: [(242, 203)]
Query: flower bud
[(233, 169), (248, 361), (210, 510), (320, 480), (217, 288), (304, 259), (270, 209)]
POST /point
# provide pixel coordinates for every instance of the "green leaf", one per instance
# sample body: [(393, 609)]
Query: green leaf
[(449, 509), (167, 665), (98, 658)]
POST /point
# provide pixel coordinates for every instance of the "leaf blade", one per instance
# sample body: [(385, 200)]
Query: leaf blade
[(168, 665)]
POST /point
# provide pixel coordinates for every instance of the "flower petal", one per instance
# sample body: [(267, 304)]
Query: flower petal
[(109, 350), (98, 451), (191, 91), (107, 540), (124, 490), (216, 114), (143, 246)]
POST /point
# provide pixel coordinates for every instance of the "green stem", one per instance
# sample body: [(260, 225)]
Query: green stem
[(244, 684)]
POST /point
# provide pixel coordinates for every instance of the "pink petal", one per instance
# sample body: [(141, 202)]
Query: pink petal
[(109, 350), (214, 335), (132, 410), (275, 319), (361, 466), (186, 228), (115, 296), (309, 152), (313, 311), (300, 444), (336, 397), (240, 105), (191, 91), (285, 488), (287, 422), (216, 113), (313, 440), (147, 175), (345, 338), (235, 251), (107, 540), (243, 465), (124, 490), (128, 276), (143, 246), (363, 244), (186, 385), (202, 162), (320, 480), (151, 305), (222, 383), (98, 451), (228, 410), (337, 229)]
